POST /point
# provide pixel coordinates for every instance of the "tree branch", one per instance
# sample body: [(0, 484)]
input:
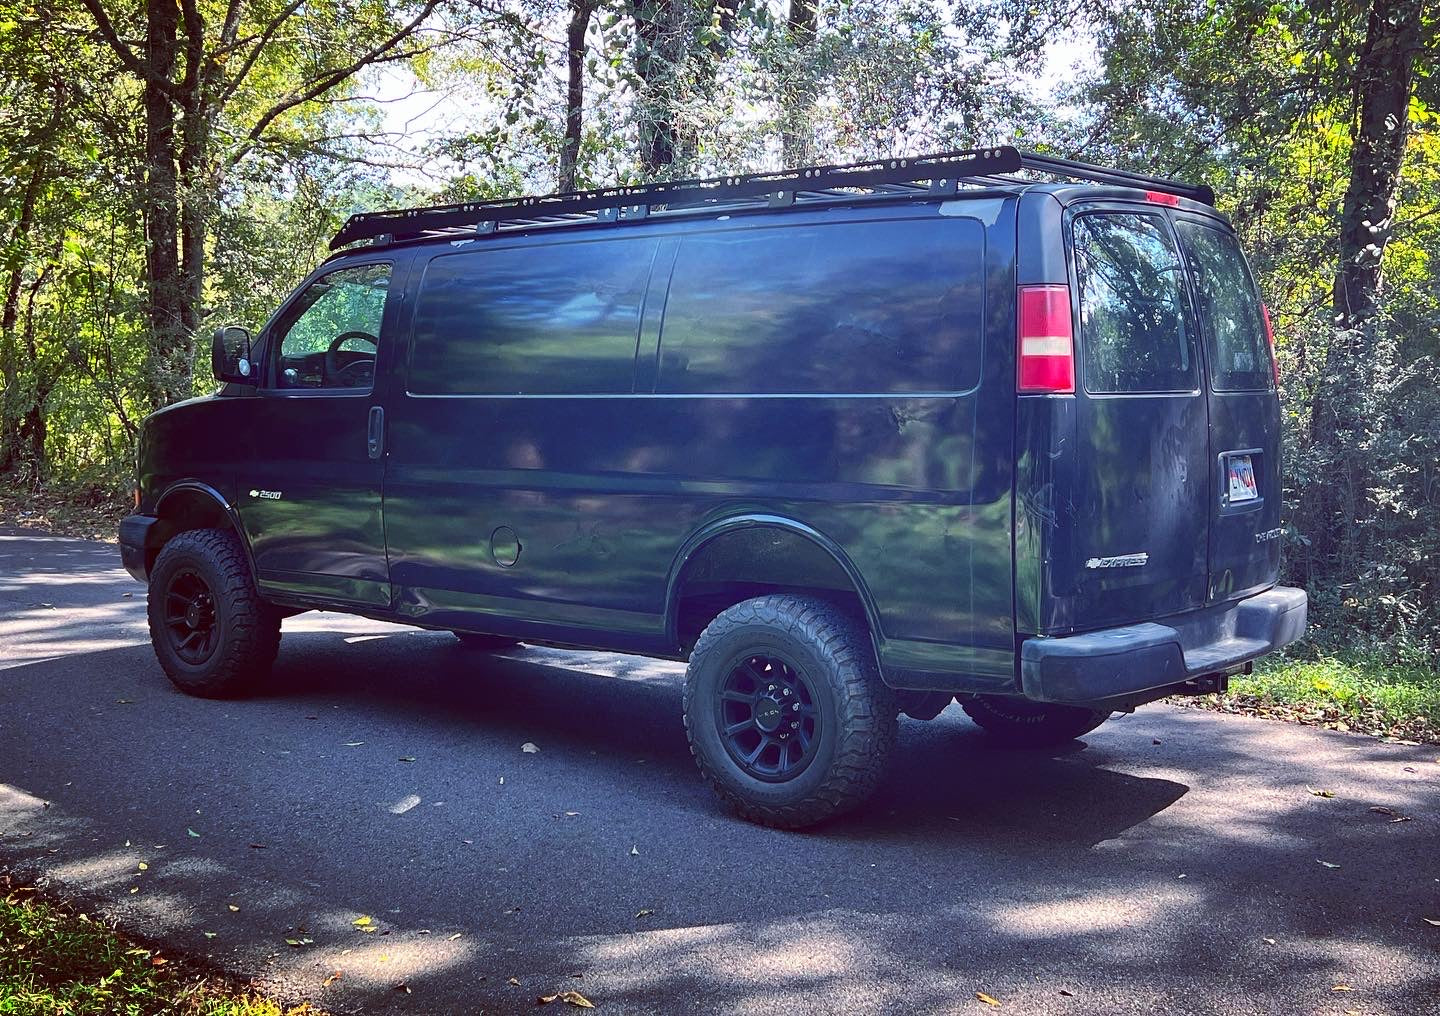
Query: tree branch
[(127, 56)]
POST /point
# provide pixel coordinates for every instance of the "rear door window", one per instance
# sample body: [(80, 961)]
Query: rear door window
[(861, 307), (1228, 308), (1133, 321), (558, 319)]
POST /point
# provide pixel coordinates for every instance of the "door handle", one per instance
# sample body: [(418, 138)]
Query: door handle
[(375, 432)]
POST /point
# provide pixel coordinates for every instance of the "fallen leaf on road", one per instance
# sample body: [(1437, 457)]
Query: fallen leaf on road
[(515, 981), (454, 936), (571, 814), (1268, 941), (233, 908), (574, 998), (1327, 864), (158, 961), (144, 866), (1321, 793), (298, 942), (407, 758), (1395, 816), (635, 851), (987, 999), (1432, 920), (257, 846), (331, 979), (530, 748), (362, 921), (1065, 992), (191, 832), (134, 889), (208, 934), (401, 986), (1342, 987), (353, 744), (643, 913)]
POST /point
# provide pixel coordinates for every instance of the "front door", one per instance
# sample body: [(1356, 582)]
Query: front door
[(310, 501)]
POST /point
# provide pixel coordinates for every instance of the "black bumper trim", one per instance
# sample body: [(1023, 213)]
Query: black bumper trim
[(1138, 658), (137, 538)]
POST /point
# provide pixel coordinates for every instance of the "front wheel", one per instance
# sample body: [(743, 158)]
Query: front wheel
[(1025, 724), (213, 634), (785, 711)]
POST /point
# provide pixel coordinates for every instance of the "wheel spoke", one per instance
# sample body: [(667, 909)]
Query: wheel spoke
[(751, 757), (197, 633), (735, 728), (729, 695), (755, 675)]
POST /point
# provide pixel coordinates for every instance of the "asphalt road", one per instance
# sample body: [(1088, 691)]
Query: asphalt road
[(1170, 863)]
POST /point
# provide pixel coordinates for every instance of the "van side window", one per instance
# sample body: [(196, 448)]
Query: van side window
[(1132, 305), (1229, 310), (331, 333), (852, 307), (558, 319)]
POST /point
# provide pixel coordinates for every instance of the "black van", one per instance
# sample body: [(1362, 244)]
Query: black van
[(852, 440)]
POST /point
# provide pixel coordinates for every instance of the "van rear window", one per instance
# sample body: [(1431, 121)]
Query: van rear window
[(1132, 305), (559, 319), (1228, 308), (861, 307)]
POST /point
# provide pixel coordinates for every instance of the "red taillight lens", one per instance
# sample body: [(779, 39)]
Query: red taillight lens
[(1270, 338), (1046, 347), (1161, 198)]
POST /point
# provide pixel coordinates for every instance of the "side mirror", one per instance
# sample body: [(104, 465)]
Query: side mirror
[(230, 356)]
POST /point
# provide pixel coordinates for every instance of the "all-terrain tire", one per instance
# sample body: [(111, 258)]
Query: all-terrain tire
[(484, 643), (854, 713), (246, 629), (1023, 724)]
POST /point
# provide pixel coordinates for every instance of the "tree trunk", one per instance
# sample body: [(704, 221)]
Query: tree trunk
[(12, 416), (655, 64), (797, 136), (1384, 81), (580, 13), (169, 366)]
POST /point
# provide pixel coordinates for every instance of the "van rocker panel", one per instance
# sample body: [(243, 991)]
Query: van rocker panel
[(1129, 661)]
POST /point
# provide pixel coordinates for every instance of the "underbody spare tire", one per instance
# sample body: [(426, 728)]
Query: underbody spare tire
[(785, 711), (1025, 724), (213, 634), (484, 643)]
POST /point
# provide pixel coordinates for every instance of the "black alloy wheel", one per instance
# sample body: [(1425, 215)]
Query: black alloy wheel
[(767, 717), (190, 617)]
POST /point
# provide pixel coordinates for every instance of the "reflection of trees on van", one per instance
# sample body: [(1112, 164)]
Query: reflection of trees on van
[(1132, 311), (846, 308)]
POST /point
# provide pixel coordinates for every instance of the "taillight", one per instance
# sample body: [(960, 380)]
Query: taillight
[(1270, 338), (1161, 198), (1046, 347)]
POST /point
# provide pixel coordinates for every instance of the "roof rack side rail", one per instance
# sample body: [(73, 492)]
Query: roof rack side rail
[(694, 193), (1119, 177)]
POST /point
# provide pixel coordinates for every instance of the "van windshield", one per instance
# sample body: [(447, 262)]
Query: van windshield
[(1228, 308)]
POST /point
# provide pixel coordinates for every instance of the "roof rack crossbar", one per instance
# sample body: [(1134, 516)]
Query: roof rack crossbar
[(939, 174), (1056, 166)]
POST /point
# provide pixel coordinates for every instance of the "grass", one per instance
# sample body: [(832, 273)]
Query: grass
[(59, 962), (1353, 692)]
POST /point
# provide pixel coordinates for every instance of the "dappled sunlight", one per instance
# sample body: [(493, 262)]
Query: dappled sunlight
[(1070, 913)]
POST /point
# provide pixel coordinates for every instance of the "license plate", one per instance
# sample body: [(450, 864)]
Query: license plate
[(1241, 477)]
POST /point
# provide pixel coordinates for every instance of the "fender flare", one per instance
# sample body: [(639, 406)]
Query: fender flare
[(200, 487), (706, 534)]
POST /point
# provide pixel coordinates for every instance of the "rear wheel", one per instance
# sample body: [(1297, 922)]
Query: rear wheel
[(213, 634), (1022, 723), (484, 643), (785, 711)]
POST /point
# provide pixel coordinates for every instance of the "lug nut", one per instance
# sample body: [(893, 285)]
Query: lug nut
[(789, 692), (794, 724), (795, 707), (771, 688)]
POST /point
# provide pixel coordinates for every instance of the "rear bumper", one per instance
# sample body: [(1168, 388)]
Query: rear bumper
[(137, 539), (1117, 663)]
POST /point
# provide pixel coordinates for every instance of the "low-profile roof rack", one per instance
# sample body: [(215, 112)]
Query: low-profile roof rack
[(940, 174)]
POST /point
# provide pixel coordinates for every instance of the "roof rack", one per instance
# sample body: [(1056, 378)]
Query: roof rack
[(940, 174)]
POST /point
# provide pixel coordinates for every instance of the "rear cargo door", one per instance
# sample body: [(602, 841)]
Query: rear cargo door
[(1138, 520), (1244, 508)]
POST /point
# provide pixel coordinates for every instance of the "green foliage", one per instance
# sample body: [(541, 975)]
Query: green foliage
[(54, 960)]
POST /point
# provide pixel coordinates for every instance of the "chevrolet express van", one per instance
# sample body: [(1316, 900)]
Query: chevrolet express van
[(851, 440)]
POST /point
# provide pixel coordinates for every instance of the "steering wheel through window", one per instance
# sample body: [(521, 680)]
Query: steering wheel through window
[(331, 336)]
